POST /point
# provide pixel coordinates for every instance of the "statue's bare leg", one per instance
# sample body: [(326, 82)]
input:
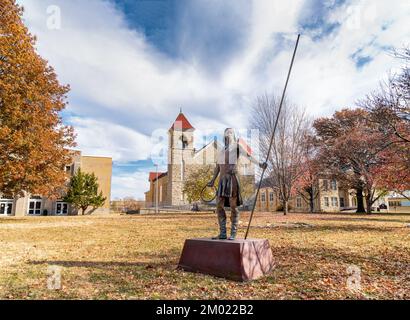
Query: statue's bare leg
[(234, 217), (221, 219)]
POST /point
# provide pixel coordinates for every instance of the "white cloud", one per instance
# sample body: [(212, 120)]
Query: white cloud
[(101, 138), (123, 87), (111, 66), (129, 185)]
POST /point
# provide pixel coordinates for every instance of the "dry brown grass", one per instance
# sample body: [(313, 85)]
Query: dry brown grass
[(135, 257)]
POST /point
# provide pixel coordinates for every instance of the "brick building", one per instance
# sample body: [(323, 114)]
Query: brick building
[(330, 198), (37, 205)]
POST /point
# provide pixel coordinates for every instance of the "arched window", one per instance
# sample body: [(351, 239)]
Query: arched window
[(183, 142)]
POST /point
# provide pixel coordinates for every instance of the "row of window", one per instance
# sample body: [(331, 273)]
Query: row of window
[(299, 203), (263, 197), (333, 185), (334, 201), (35, 207)]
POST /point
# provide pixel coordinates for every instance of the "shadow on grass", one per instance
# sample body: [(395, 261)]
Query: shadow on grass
[(374, 214), (369, 219), (103, 264), (13, 219), (335, 228), (176, 216), (154, 261)]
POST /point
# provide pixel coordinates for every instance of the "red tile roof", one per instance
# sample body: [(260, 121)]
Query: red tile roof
[(153, 175), (181, 122)]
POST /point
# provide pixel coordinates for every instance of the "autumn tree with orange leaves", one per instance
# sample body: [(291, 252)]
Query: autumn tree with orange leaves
[(307, 184), (33, 140), (389, 110), (352, 150)]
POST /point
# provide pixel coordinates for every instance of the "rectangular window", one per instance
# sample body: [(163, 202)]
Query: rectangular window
[(334, 185), (61, 208), (342, 202), (325, 185), (263, 197), (34, 207), (334, 202), (395, 203), (271, 197), (299, 202), (6, 206), (326, 201)]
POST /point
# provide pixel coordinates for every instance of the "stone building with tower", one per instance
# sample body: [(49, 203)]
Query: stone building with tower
[(183, 159)]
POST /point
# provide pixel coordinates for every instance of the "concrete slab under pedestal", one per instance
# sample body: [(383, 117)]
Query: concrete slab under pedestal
[(239, 260)]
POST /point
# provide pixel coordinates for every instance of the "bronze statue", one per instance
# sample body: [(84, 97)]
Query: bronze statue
[(229, 190)]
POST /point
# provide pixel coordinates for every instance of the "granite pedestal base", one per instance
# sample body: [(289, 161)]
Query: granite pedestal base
[(239, 260)]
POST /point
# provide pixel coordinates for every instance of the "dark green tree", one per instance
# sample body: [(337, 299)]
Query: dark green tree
[(83, 192)]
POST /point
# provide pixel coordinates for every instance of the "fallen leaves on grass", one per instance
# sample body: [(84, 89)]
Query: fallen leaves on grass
[(135, 257)]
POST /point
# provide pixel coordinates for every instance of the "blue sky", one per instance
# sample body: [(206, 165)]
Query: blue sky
[(132, 64)]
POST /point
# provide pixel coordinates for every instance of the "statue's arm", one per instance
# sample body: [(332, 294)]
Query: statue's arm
[(251, 157), (216, 173)]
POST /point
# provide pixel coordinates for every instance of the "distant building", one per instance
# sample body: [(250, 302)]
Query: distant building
[(330, 198), (184, 159), (127, 205), (37, 205), (399, 202)]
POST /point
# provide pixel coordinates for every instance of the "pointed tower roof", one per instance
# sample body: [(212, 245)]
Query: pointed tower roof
[(181, 123)]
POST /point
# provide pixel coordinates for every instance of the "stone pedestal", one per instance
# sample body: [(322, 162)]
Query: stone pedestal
[(239, 260)]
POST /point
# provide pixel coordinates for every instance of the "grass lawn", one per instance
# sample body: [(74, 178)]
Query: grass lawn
[(135, 257)]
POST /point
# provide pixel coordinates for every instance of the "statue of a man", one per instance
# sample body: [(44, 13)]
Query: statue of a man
[(229, 193)]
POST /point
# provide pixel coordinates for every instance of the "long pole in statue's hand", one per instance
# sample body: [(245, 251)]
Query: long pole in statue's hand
[(273, 136)]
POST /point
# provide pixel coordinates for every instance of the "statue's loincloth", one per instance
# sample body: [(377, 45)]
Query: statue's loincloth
[(229, 187)]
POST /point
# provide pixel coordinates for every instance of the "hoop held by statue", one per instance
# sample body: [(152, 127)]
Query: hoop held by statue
[(208, 194)]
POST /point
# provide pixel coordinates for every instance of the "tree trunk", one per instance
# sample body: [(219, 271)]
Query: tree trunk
[(312, 204), (368, 205), (360, 203), (83, 210), (286, 208)]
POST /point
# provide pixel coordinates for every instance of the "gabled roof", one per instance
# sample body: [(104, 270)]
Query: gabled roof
[(395, 195), (153, 175), (181, 123)]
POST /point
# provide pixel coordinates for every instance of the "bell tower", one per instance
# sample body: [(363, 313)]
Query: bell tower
[(180, 154)]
